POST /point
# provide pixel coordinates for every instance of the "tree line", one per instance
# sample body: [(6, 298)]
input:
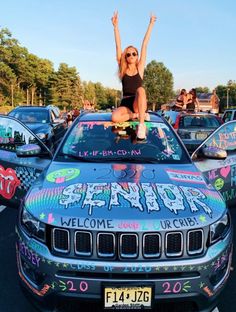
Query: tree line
[(29, 80)]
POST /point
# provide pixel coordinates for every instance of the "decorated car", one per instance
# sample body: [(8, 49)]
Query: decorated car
[(131, 224)]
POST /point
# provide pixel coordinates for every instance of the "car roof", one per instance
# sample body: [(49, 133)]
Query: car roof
[(196, 114), (229, 110), (106, 116), (31, 107)]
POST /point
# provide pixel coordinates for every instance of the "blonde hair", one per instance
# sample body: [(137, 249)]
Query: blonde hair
[(123, 63)]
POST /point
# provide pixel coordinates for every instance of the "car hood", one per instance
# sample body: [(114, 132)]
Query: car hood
[(124, 196), (38, 127)]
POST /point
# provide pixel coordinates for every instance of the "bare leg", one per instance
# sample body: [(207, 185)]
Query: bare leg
[(140, 103), (122, 114)]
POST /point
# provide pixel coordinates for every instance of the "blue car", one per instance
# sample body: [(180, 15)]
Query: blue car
[(45, 121), (126, 223)]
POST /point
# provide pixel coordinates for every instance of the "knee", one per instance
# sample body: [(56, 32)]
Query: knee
[(141, 92), (114, 117)]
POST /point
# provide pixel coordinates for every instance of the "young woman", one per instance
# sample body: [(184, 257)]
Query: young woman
[(181, 100), (131, 70), (192, 102)]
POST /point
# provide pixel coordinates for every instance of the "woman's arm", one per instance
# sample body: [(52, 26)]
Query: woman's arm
[(146, 38), (114, 20)]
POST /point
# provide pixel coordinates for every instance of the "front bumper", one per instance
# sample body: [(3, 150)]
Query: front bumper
[(197, 281)]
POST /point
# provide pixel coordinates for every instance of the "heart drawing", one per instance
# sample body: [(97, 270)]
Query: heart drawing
[(225, 171)]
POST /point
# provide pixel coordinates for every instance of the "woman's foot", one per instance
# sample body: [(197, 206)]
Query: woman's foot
[(141, 133)]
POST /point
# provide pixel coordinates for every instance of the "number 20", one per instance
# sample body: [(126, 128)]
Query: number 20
[(176, 288)]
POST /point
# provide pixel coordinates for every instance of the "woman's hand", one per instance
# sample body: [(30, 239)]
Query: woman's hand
[(114, 19), (153, 18)]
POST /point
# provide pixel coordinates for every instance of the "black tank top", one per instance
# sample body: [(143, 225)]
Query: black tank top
[(130, 84)]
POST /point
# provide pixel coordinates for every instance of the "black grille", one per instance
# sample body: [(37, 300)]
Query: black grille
[(174, 244), (151, 245), (61, 240), (83, 243), (126, 245), (106, 245), (195, 242), (129, 245)]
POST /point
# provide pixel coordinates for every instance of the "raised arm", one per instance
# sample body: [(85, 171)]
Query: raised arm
[(146, 38), (114, 20)]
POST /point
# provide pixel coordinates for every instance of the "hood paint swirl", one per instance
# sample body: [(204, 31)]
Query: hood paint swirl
[(127, 197)]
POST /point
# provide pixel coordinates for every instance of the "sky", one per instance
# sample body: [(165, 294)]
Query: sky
[(195, 39)]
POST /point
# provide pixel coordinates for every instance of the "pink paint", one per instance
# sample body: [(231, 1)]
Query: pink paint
[(71, 286), (225, 171), (128, 225), (83, 286), (50, 218), (175, 288), (212, 174)]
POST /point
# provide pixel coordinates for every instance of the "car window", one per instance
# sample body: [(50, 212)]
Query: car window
[(199, 121), (31, 116), (224, 137), (13, 134), (103, 141), (53, 116), (227, 116), (56, 112)]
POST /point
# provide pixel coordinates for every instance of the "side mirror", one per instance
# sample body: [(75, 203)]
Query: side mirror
[(28, 150), (213, 152)]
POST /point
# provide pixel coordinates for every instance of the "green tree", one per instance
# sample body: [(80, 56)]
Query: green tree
[(202, 90), (158, 82), (65, 87), (11, 56), (227, 92), (89, 92), (100, 94), (7, 82)]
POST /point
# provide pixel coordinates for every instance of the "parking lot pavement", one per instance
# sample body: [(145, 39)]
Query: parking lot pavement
[(12, 299)]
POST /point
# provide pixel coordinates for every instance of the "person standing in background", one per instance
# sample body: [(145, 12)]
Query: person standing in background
[(215, 103)]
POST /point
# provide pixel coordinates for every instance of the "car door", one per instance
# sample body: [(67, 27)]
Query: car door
[(234, 115), (18, 173), (221, 173)]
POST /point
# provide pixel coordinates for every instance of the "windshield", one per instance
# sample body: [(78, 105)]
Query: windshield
[(31, 116), (101, 141), (224, 138), (199, 121)]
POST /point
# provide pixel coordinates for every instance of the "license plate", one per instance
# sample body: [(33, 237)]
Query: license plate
[(127, 297), (201, 136)]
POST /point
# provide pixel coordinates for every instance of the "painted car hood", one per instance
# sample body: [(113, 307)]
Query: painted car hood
[(115, 194)]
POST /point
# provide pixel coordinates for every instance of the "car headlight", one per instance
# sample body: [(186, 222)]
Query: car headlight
[(42, 136), (32, 226), (219, 229)]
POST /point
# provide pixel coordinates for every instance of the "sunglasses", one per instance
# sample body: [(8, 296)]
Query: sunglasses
[(133, 54)]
